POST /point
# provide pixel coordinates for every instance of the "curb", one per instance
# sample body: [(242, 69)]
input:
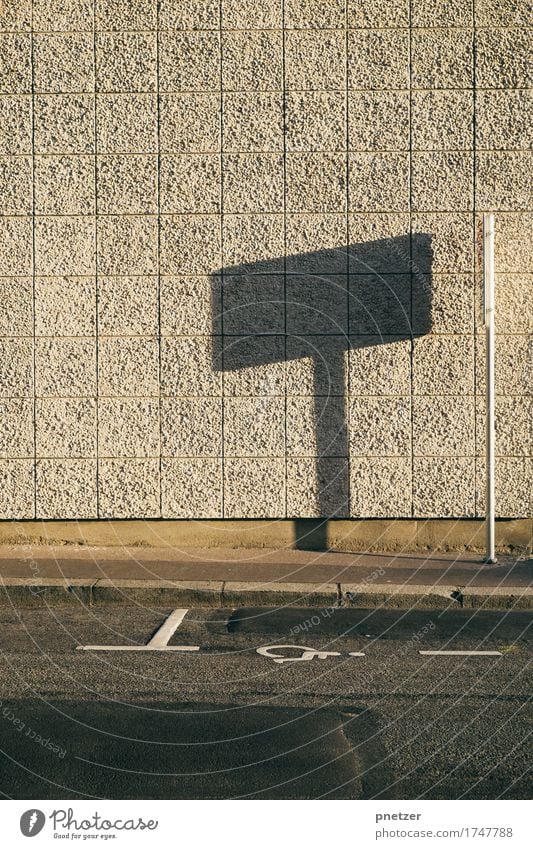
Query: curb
[(25, 592)]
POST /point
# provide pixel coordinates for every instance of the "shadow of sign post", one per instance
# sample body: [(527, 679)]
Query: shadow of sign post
[(314, 307)]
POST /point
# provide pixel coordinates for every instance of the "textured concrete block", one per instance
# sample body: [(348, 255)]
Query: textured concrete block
[(314, 14), (63, 15), (380, 303), (317, 489), (127, 244), (252, 60), (454, 13), (315, 59), (16, 489), (189, 244), (189, 14), (191, 427), (126, 123), (15, 124), (442, 181), (316, 182), (65, 427), (443, 426), (378, 182), (15, 245), (16, 434), (316, 244), (64, 185), (379, 366), (309, 361), (316, 120), (443, 487), (253, 121), (513, 241), (512, 364), (15, 63), (442, 58), (442, 120), (443, 365), (64, 123), (65, 306), (128, 427), (127, 185), (185, 306), (254, 488), (189, 61), (450, 249), (316, 427), (65, 245), (127, 306), (254, 365), (380, 426), (190, 184), (15, 15), (126, 61), (378, 59), (65, 367), (254, 427), (368, 13), (187, 367), (248, 14), (514, 434), (512, 487), (15, 185), (125, 14), (16, 368), (252, 182), (128, 367), (378, 120), (190, 122), (503, 119), (16, 306), (451, 307), (252, 240), (317, 304), (128, 489), (503, 13), (503, 180), (63, 63), (514, 303), (503, 58), (377, 242), (191, 489), (380, 486), (66, 489), (253, 304)]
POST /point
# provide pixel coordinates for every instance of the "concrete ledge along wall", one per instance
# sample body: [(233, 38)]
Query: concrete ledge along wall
[(239, 265)]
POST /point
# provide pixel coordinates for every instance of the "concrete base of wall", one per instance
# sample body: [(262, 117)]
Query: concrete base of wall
[(512, 535)]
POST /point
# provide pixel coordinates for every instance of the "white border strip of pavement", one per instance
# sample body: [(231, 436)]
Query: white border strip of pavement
[(474, 653), (159, 641)]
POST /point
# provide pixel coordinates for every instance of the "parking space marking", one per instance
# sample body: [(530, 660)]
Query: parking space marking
[(463, 653), (159, 641)]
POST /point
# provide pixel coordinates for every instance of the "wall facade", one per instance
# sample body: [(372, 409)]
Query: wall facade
[(238, 257)]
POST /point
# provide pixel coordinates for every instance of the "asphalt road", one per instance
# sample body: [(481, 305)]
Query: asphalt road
[(228, 722)]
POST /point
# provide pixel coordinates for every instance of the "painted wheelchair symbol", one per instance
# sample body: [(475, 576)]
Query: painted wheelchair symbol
[(306, 653)]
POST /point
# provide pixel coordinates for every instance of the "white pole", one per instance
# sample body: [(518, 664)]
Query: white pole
[(488, 297)]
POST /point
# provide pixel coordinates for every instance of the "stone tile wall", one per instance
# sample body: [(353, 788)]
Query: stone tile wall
[(169, 168)]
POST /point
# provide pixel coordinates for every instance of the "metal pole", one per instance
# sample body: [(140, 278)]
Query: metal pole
[(488, 298)]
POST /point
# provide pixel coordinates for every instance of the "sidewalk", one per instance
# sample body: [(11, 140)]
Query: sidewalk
[(40, 575)]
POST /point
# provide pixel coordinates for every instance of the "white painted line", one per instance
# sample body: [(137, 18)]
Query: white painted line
[(159, 641), (137, 648), (466, 653), (164, 633), (356, 654)]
